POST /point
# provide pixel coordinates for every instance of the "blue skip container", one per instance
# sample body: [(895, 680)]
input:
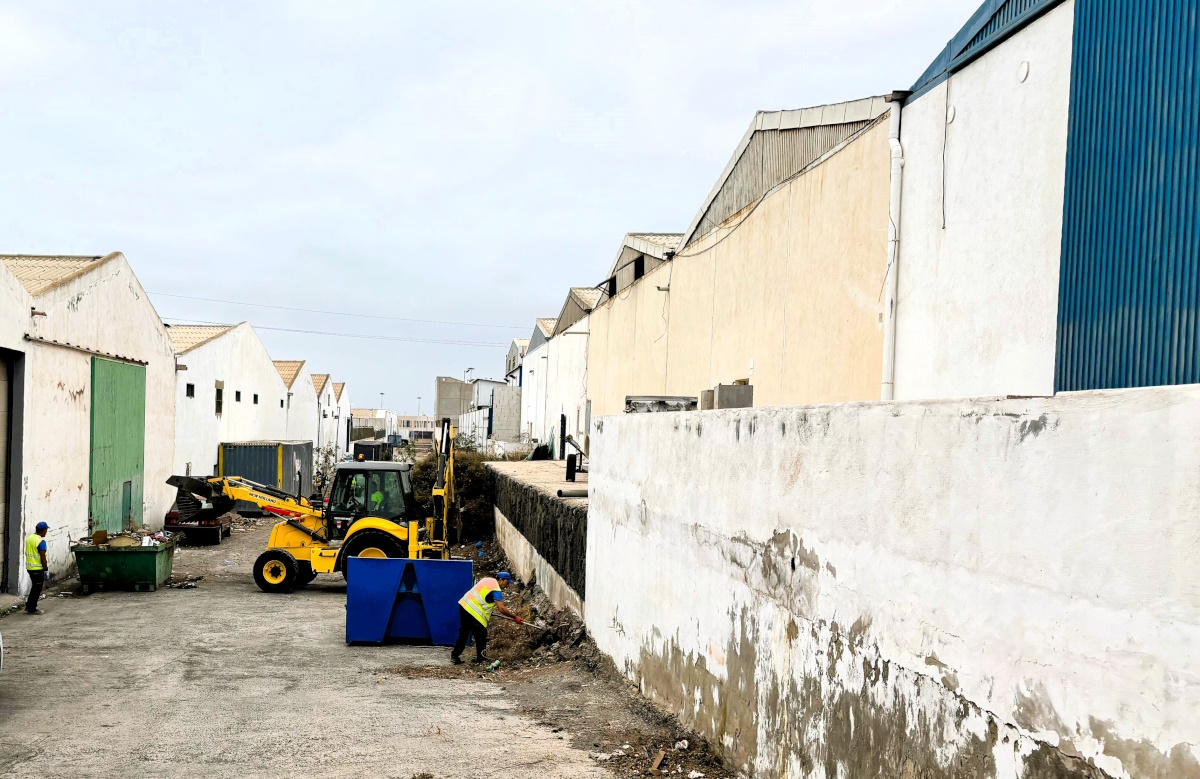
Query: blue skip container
[(415, 601)]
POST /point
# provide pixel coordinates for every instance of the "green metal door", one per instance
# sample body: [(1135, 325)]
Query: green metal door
[(118, 444)]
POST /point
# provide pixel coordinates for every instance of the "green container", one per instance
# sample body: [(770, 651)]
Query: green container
[(140, 568)]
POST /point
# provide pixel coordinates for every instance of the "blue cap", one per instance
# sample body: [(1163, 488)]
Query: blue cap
[(42, 526), (503, 576)]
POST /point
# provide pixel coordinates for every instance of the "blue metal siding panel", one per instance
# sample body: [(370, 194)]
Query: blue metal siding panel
[(1129, 285)]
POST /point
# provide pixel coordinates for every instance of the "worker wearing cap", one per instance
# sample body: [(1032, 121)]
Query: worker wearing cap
[(475, 611), (36, 566)]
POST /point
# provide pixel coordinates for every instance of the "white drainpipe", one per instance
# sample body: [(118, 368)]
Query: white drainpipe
[(888, 385)]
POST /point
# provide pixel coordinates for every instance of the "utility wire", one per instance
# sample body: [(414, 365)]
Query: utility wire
[(335, 313), (345, 335)]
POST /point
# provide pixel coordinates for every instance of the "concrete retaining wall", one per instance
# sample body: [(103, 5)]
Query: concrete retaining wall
[(528, 564), (556, 529), (984, 588)]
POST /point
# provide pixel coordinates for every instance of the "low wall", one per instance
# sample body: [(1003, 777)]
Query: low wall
[(983, 588), (528, 564), (543, 535)]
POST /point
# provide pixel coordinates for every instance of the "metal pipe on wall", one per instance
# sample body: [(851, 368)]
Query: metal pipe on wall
[(891, 284)]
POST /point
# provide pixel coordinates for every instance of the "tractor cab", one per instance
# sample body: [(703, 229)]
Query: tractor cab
[(369, 489)]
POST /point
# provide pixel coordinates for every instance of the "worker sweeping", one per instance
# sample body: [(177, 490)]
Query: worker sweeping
[(475, 612)]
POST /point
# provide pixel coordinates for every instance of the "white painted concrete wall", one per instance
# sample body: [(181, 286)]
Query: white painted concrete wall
[(978, 298), (566, 383), (970, 582), (330, 426), (301, 408), (239, 360), (533, 394), (344, 412), (107, 310), (14, 311)]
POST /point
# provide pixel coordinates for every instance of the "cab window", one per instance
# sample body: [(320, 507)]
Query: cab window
[(385, 497)]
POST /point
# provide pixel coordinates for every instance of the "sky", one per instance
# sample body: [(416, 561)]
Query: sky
[(430, 176)]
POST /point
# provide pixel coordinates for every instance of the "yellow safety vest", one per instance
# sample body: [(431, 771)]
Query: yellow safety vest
[(33, 559), (475, 601)]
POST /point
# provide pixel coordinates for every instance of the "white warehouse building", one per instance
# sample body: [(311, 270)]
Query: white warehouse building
[(87, 405), (228, 391)]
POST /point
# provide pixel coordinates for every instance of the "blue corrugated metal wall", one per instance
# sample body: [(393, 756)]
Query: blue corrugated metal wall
[(1130, 284)]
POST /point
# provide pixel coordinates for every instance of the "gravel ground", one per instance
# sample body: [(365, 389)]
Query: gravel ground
[(222, 680), (225, 681)]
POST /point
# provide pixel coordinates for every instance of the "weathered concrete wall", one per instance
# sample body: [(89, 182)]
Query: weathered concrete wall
[(506, 414), (981, 227), (239, 360), (565, 384), (556, 529), (106, 310), (533, 394), (984, 588), (529, 564), (301, 408), (785, 294)]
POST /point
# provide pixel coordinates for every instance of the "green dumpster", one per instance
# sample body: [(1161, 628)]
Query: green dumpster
[(140, 568)]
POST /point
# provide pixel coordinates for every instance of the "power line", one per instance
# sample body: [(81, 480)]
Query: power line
[(335, 313), (446, 342)]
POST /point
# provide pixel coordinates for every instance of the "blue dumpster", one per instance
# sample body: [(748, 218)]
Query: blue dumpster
[(409, 600)]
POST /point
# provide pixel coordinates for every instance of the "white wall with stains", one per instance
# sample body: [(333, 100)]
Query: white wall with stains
[(981, 227), (238, 360), (301, 408), (105, 310), (982, 587)]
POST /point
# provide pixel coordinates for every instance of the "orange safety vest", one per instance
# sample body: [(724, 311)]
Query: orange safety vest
[(475, 601)]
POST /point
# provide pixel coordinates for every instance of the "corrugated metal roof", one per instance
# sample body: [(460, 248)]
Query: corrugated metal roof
[(319, 381), (777, 146), (546, 325), (41, 273), (184, 338), (289, 370), (588, 296), (338, 386), (666, 240), (991, 24)]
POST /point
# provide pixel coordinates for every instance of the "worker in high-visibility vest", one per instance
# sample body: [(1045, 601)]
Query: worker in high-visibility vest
[(475, 612), (36, 566)]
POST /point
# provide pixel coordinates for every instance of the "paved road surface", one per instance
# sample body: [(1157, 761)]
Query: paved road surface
[(226, 681)]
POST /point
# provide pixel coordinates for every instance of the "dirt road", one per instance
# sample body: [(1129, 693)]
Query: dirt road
[(225, 681)]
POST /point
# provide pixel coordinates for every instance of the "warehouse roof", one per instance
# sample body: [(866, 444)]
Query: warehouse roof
[(546, 325), (185, 338), (777, 146), (337, 389), (40, 273), (579, 303), (289, 370), (319, 381)]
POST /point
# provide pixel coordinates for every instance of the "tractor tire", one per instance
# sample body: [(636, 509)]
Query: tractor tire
[(304, 574), (214, 537), (371, 543), (276, 571)]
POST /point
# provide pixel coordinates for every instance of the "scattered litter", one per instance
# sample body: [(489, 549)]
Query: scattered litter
[(186, 583), (599, 756), (129, 538), (657, 762), (229, 562), (495, 664), (682, 744), (695, 775)]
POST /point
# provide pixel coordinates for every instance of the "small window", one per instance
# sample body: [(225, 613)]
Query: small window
[(256, 398), (639, 268), (191, 390), (324, 415), (220, 392), (237, 396), (281, 402)]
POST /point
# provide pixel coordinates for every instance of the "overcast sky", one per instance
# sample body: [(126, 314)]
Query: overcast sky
[(463, 162)]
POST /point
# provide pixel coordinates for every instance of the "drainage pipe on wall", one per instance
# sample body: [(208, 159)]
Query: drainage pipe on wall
[(891, 283)]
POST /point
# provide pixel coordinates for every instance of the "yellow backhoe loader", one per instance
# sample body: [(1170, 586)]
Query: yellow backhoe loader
[(370, 511)]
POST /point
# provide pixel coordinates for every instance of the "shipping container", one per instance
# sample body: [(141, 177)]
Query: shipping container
[(373, 450), (285, 465)]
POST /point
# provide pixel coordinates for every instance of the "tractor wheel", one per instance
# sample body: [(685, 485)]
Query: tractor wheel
[(371, 543), (304, 574), (228, 531), (275, 571)]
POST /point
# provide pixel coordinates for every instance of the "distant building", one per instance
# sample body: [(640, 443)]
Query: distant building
[(87, 405), (332, 430), (300, 402), (452, 397), (341, 396), (227, 391), (533, 390), (513, 373)]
